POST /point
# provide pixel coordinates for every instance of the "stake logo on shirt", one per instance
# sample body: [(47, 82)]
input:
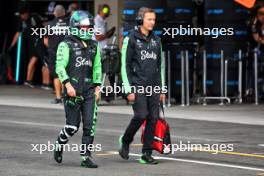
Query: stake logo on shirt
[(80, 61), (148, 55)]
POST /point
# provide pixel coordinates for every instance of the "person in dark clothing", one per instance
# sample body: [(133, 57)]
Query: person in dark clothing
[(60, 25), (258, 25), (142, 65), (257, 30), (26, 24), (78, 65), (71, 9)]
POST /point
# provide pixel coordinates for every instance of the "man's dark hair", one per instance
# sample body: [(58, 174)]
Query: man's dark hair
[(143, 10), (256, 7)]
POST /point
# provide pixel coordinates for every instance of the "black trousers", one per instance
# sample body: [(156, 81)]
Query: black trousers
[(145, 108), (52, 64), (85, 111)]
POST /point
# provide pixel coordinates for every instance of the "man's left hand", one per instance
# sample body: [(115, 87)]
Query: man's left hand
[(162, 97), (97, 94)]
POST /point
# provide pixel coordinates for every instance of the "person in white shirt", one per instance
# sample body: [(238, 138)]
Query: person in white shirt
[(102, 34)]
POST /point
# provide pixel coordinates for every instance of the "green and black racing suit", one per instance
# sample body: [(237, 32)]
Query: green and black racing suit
[(79, 63)]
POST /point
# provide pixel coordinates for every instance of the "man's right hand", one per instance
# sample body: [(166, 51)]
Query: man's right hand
[(70, 90), (131, 97), (110, 32)]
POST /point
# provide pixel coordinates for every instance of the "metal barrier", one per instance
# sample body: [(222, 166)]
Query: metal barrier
[(187, 78), (185, 83), (223, 81), (182, 80), (169, 78), (204, 76), (256, 76), (240, 67), (224, 98)]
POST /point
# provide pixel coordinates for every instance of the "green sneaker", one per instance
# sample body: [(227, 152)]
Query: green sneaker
[(123, 149), (86, 161), (147, 159)]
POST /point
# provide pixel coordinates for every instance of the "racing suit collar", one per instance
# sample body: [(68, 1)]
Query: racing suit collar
[(79, 41), (141, 36)]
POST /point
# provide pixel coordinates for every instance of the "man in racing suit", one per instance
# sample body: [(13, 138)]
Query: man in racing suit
[(142, 66), (78, 66)]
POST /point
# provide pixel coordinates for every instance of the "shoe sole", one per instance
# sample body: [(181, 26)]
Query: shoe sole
[(44, 88), (141, 161), (122, 156), (30, 86), (57, 159), (85, 166)]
